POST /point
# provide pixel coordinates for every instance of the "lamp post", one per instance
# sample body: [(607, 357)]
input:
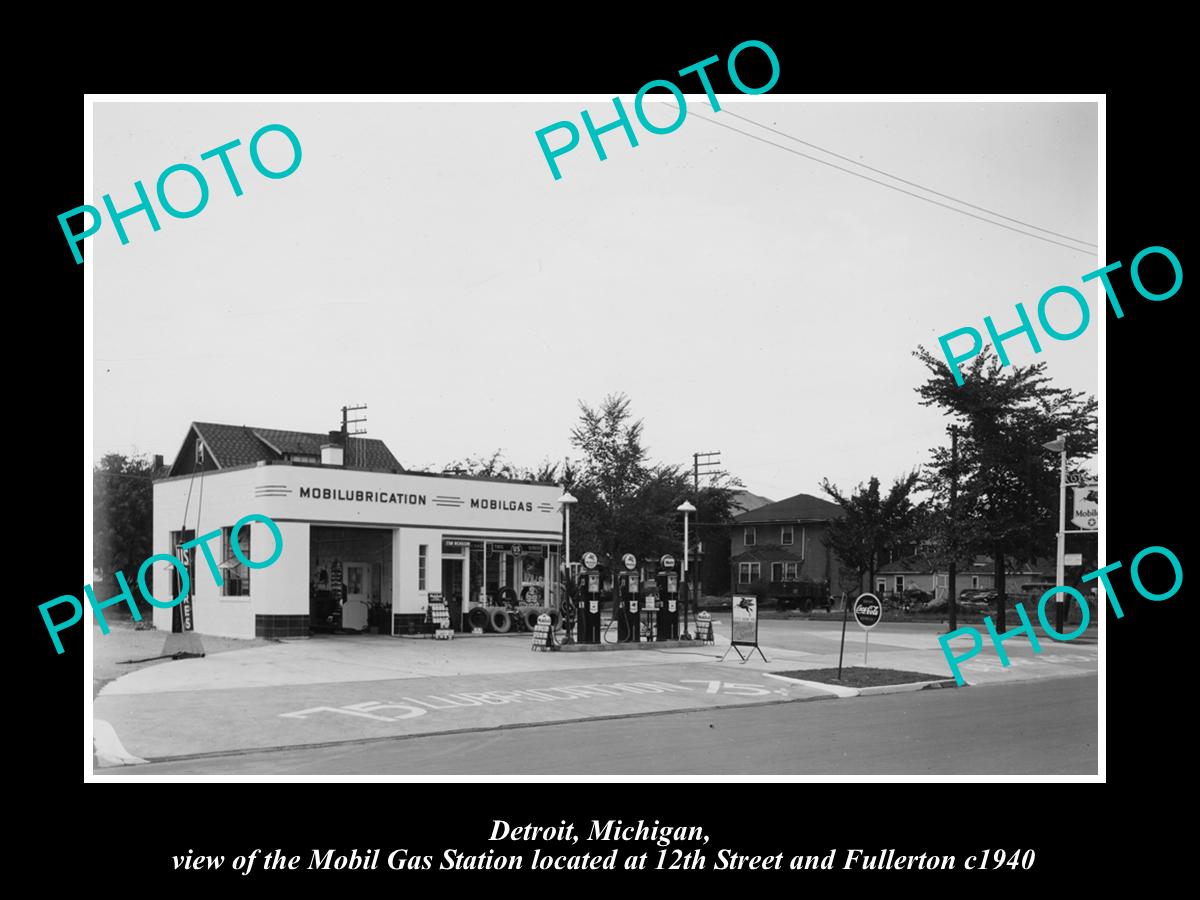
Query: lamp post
[(566, 501), (1060, 446), (685, 508)]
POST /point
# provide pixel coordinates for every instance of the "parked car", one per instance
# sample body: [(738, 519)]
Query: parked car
[(978, 595), (917, 596), (970, 604)]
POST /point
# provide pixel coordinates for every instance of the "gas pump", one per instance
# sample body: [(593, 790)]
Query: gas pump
[(668, 592), (632, 606), (652, 605), (625, 596), (621, 605), (588, 621)]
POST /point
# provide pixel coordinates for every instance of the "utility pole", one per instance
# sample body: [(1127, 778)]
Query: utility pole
[(952, 569), (708, 461), (346, 433)]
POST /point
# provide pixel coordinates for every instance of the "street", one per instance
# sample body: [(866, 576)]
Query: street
[(1028, 727)]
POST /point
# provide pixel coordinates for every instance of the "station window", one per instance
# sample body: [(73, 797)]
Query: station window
[(899, 584), (749, 537), (974, 581), (236, 577), (422, 552), (786, 535)]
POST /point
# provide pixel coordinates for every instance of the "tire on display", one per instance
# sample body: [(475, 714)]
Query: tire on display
[(501, 621), (478, 617)]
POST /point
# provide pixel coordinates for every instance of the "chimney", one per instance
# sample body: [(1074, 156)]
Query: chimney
[(332, 452), (158, 462)]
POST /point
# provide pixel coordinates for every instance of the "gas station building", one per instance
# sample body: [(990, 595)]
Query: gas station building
[(355, 525)]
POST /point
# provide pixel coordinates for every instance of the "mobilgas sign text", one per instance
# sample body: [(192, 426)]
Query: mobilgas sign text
[(408, 499), (185, 581), (622, 120), (144, 204), (1085, 315)]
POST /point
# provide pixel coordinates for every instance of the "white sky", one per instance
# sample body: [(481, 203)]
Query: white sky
[(423, 260)]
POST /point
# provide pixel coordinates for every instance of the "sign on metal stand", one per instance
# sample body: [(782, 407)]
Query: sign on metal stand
[(744, 628)]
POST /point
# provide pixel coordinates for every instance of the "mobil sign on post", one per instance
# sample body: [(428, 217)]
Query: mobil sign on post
[(1086, 508)]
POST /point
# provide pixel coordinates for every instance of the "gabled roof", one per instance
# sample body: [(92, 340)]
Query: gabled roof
[(229, 446), (800, 508), (909, 565), (746, 501)]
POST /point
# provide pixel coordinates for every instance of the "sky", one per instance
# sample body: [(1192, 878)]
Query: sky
[(423, 260)]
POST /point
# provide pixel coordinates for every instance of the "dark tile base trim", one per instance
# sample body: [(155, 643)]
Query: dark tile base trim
[(272, 626), (409, 623)]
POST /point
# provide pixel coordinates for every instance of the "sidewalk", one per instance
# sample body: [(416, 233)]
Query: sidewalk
[(368, 687)]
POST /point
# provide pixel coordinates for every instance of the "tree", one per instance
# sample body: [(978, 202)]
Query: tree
[(612, 473), (123, 515), (626, 504), (496, 466), (1007, 502), (872, 523)]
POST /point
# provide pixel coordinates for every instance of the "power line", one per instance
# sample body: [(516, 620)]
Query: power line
[(886, 185), (906, 181)]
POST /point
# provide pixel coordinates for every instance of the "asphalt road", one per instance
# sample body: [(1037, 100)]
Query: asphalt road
[(1043, 727)]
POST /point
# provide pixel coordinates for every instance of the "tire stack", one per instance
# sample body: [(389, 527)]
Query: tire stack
[(501, 620)]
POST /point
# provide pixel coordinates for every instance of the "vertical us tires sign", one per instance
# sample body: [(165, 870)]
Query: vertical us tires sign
[(184, 555)]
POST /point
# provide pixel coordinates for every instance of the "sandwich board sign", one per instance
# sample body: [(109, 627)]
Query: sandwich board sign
[(744, 627)]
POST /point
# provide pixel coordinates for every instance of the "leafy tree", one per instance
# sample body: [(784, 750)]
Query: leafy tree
[(612, 474), (872, 522), (626, 504), (496, 466), (123, 516), (1007, 482)]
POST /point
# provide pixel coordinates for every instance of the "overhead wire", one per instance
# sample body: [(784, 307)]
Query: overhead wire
[(922, 187), (890, 186)]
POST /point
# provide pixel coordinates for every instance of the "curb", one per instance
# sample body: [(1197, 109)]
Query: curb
[(108, 747), (843, 693), (836, 689), (907, 688)]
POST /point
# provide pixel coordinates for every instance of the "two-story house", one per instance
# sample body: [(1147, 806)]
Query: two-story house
[(784, 542)]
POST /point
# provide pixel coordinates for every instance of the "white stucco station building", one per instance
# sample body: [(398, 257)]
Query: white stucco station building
[(356, 527)]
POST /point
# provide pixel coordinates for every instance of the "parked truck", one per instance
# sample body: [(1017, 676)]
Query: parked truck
[(798, 594)]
